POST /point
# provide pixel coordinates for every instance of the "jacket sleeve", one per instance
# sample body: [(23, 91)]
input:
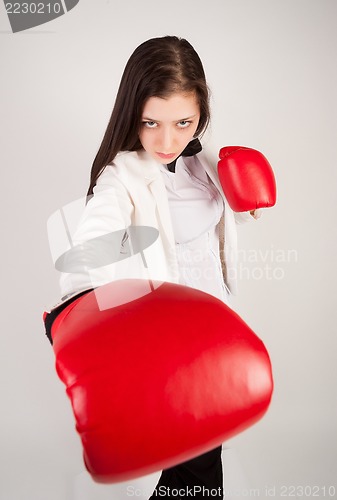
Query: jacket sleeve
[(242, 217), (97, 240)]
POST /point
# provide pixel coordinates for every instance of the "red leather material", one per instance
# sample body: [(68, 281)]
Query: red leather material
[(247, 178), (160, 379)]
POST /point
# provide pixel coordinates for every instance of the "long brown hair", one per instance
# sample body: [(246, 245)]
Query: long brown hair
[(157, 68)]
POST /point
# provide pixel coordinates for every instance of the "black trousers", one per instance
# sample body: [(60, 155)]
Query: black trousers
[(198, 478)]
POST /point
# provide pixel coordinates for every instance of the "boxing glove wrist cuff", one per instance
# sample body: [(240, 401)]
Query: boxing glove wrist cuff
[(49, 318)]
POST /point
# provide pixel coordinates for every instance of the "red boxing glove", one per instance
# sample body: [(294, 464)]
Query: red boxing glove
[(157, 380), (247, 178)]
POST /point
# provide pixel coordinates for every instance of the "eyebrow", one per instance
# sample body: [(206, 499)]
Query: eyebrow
[(174, 121)]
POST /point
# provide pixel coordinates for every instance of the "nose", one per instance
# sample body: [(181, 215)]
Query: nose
[(167, 140)]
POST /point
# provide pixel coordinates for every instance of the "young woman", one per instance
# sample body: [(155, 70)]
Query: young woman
[(150, 171)]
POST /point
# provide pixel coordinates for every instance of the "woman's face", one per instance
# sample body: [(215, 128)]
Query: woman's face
[(168, 125)]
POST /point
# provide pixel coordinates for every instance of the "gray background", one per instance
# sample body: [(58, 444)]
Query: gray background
[(271, 65)]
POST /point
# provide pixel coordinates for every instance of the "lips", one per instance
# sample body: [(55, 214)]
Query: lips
[(166, 156)]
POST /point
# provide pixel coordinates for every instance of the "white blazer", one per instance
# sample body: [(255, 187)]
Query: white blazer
[(131, 192)]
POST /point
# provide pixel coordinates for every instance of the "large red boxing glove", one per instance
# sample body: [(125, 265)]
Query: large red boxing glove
[(157, 380), (247, 178)]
